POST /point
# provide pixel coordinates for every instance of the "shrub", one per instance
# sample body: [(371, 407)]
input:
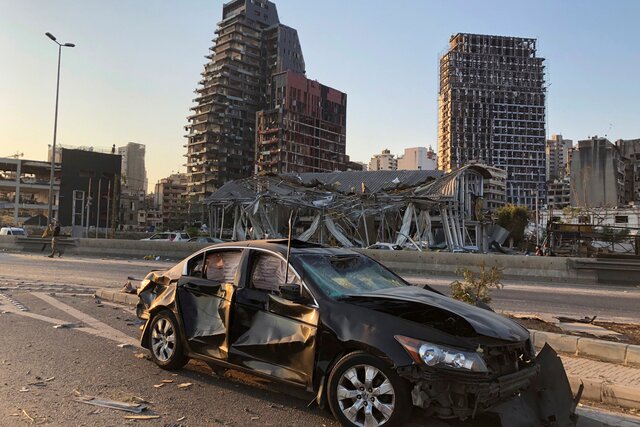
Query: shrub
[(476, 286)]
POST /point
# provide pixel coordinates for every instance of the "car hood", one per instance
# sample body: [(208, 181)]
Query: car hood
[(483, 322)]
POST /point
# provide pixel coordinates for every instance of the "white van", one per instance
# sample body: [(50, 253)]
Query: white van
[(12, 231)]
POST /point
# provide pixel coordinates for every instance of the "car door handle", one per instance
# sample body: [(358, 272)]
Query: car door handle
[(192, 286)]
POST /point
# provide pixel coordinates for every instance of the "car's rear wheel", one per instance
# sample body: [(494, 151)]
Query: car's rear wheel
[(165, 342), (363, 391)]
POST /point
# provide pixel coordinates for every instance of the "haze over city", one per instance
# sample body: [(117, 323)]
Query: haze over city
[(132, 74)]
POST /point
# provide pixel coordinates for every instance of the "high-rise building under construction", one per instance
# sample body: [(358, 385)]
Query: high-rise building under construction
[(492, 110), (251, 45)]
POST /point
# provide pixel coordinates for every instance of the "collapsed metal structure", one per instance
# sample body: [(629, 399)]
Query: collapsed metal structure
[(353, 209)]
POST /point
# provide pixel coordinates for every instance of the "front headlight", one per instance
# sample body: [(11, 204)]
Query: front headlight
[(434, 355)]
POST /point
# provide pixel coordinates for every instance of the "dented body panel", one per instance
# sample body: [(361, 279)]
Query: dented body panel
[(242, 320)]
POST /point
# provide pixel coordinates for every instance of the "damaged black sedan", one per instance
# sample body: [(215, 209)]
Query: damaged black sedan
[(337, 323)]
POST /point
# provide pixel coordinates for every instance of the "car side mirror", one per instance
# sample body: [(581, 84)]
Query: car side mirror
[(291, 292)]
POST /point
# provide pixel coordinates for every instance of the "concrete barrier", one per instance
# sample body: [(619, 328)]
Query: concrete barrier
[(407, 263), (136, 248), (514, 267)]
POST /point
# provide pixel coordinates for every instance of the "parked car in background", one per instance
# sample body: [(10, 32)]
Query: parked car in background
[(206, 239), (173, 236), (385, 246), (338, 323), (12, 231)]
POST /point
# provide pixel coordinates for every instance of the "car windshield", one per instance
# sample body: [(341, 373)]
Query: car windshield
[(341, 275)]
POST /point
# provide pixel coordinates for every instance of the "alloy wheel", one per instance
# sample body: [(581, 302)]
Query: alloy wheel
[(163, 339), (366, 396)]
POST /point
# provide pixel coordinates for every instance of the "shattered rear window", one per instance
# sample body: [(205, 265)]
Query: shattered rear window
[(338, 276)]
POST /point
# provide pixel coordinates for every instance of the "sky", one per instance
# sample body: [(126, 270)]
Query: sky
[(136, 64)]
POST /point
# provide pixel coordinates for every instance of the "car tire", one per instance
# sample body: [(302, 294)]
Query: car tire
[(165, 342), (363, 386)]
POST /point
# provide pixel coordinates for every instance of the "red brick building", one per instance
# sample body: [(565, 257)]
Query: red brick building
[(304, 128)]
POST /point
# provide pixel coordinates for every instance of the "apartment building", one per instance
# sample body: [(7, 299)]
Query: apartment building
[(384, 161), (171, 200), (492, 110), (304, 129), (250, 46), (417, 158)]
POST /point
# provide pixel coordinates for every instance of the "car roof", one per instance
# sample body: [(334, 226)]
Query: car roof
[(280, 246)]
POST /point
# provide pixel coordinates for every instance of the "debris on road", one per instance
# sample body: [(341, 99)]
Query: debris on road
[(142, 417), (158, 385), (572, 320), (49, 379), (185, 385), (181, 419), (129, 288), (140, 355), (38, 384), (28, 416), (105, 403), (67, 326), (124, 345), (167, 381), (24, 389)]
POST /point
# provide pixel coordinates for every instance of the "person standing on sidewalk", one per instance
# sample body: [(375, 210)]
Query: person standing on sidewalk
[(48, 232), (55, 232)]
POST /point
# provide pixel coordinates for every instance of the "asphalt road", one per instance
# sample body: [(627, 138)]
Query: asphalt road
[(45, 371), (616, 303)]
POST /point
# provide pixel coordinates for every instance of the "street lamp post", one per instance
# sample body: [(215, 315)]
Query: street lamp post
[(55, 124)]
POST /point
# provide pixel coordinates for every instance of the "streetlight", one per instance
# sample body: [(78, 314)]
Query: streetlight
[(55, 124)]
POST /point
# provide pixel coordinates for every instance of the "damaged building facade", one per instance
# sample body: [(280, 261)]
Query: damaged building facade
[(303, 129), (356, 209), (597, 174), (492, 110), (251, 45), (255, 109)]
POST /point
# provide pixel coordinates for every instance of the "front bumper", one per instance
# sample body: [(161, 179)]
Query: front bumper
[(461, 395), (538, 395)]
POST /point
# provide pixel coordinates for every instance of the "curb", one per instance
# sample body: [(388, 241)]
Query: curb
[(606, 392), (116, 296), (606, 351)]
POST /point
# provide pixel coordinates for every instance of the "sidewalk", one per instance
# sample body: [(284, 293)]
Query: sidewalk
[(604, 382)]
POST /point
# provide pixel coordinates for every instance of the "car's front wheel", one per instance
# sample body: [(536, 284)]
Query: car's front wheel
[(165, 339), (363, 391)]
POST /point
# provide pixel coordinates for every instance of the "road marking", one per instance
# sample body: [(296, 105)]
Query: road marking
[(15, 302), (94, 326)]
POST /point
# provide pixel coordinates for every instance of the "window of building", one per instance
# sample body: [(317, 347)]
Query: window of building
[(622, 219)]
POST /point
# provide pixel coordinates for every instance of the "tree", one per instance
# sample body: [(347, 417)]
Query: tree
[(514, 219)]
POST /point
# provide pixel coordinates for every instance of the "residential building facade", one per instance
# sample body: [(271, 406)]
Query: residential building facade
[(251, 45), (417, 158), (557, 153), (492, 109), (384, 161), (303, 129), (559, 193), (630, 150), (171, 200)]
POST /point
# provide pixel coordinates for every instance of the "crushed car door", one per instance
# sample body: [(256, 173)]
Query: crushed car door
[(204, 297), (270, 334)]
